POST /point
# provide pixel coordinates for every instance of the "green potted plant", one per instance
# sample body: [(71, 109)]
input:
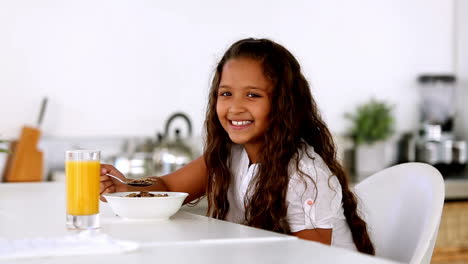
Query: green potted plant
[(372, 124), (3, 149)]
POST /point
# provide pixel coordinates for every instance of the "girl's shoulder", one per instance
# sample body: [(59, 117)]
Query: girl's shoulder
[(314, 194), (309, 161), (308, 169)]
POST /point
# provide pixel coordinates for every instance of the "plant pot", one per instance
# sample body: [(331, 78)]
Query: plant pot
[(3, 159), (370, 158)]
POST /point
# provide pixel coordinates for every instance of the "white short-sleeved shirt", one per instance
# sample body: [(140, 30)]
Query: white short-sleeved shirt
[(309, 206)]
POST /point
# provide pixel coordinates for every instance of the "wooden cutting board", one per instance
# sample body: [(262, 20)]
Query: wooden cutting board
[(25, 164)]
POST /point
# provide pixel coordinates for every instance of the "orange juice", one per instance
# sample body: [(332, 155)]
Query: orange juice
[(82, 180)]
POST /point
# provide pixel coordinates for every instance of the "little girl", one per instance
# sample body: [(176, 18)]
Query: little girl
[(269, 159)]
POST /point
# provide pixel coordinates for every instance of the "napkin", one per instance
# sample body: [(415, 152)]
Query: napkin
[(89, 242)]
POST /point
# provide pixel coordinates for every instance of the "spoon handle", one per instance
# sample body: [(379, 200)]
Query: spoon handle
[(117, 178)]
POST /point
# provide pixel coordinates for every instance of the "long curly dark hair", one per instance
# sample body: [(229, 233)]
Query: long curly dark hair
[(294, 118)]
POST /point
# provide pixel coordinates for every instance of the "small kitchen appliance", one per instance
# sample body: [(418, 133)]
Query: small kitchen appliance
[(435, 142)]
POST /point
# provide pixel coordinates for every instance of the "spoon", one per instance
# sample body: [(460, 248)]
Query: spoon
[(134, 182)]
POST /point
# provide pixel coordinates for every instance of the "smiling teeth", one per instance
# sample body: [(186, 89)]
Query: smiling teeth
[(241, 123)]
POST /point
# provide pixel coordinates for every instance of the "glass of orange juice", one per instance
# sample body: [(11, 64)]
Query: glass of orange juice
[(82, 169)]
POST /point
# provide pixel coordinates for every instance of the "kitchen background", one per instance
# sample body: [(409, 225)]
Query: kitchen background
[(113, 68), (114, 71), (118, 69)]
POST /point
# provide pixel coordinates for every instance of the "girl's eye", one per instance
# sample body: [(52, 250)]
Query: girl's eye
[(224, 94), (253, 95)]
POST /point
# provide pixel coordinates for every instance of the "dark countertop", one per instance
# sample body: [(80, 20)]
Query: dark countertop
[(456, 185)]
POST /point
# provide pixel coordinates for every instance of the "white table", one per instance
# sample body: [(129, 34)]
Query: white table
[(30, 210)]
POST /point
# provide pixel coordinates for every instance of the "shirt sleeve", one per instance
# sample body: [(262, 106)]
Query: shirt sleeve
[(315, 201)]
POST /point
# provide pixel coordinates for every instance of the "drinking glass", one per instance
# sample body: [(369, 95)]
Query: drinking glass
[(82, 168)]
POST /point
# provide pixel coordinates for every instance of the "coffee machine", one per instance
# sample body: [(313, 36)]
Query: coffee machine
[(435, 142)]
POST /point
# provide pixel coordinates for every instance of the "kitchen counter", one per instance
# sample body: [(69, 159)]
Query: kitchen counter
[(456, 185)]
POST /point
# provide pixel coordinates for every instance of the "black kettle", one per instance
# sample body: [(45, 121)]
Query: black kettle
[(172, 154)]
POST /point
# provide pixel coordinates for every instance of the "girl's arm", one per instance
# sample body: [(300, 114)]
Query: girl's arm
[(318, 234), (192, 179)]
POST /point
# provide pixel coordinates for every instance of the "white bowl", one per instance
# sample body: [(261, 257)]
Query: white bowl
[(145, 208)]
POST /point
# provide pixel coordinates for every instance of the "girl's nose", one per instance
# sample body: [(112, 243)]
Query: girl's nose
[(236, 106)]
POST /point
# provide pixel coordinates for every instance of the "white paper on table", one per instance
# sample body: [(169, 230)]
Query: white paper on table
[(85, 243)]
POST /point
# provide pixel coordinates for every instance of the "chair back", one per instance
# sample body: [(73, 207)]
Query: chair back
[(402, 206)]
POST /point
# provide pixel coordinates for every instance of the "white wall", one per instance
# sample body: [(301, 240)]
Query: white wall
[(116, 67), (461, 58)]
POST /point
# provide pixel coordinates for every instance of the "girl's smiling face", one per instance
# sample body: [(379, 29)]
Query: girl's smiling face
[(244, 101)]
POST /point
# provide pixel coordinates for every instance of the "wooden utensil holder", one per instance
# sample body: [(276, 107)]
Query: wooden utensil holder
[(26, 161)]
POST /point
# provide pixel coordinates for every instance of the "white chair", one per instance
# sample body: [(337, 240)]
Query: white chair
[(402, 206)]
